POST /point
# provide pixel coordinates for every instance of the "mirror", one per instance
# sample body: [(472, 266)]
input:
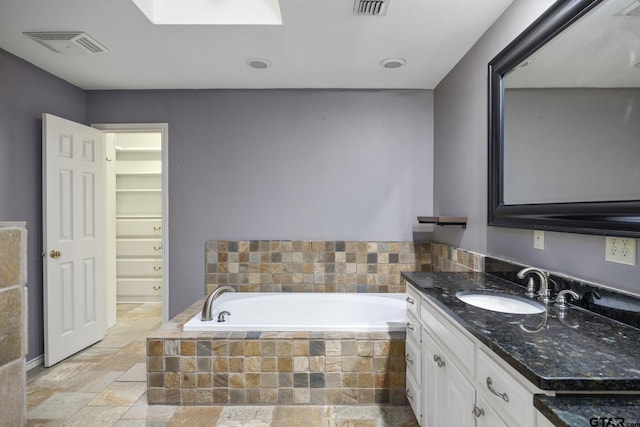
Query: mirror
[(564, 122)]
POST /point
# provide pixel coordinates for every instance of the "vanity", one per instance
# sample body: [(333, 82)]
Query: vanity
[(469, 366)]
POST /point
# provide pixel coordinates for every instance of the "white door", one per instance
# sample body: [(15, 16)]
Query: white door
[(73, 229)]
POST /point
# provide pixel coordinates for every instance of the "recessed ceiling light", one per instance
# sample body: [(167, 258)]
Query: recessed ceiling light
[(259, 63), (393, 62)]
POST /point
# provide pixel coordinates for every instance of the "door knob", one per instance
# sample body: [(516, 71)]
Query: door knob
[(55, 253)]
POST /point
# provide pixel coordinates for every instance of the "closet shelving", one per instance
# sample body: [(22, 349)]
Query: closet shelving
[(138, 220)]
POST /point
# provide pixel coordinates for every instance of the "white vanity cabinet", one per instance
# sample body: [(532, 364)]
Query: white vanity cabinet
[(462, 382)]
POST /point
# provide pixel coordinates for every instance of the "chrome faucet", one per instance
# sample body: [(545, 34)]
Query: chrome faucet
[(544, 291), (561, 298), (221, 316), (208, 303)]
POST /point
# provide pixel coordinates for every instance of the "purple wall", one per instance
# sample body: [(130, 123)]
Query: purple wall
[(25, 93), (460, 170), (282, 164)]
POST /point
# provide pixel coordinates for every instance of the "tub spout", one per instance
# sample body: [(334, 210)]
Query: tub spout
[(206, 308)]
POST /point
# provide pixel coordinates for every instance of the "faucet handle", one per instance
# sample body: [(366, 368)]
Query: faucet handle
[(531, 288), (561, 298)]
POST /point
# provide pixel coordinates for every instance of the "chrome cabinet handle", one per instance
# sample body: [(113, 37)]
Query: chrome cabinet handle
[(156, 228), (156, 268), (410, 326), (477, 412), (438, 360), (502, 396), (408, 359), (157, 248), (411, 300), (409, 395), (156, 287)]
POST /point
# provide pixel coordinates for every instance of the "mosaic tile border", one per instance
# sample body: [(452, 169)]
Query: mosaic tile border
[(313, 266)]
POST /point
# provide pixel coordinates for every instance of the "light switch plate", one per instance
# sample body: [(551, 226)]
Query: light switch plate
[(538, 239), (621, 250)]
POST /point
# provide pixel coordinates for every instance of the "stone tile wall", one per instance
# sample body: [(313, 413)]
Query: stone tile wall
[(313, 266), (13, 252), (448, 258), (307, 368)]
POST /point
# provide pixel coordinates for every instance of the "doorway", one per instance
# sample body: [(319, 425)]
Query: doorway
[(137, 216)]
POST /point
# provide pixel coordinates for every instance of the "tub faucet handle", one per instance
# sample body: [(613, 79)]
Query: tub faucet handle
[(221, 316)]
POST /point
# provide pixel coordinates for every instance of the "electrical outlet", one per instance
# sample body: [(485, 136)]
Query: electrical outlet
[(538, 239), (621, 250)]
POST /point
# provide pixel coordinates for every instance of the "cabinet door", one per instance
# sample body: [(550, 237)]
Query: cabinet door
[(486, 416), (448, 397)]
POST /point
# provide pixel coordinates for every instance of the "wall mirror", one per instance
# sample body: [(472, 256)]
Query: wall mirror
[(564, 122)]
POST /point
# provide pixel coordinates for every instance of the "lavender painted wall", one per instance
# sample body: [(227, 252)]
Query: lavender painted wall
[(460, 169), (25, 93), (283, 164)]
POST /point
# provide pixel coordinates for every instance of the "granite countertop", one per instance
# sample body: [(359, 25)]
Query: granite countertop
[(572, 351), (580, 410)]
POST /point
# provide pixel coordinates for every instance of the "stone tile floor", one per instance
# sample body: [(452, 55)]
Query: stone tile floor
[(105, 385)]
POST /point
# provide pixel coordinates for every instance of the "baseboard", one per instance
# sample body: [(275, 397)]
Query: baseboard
[(35, 362)]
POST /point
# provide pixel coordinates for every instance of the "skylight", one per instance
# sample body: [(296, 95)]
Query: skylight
[(211, 12)]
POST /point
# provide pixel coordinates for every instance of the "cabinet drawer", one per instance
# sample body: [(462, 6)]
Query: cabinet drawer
[(486, 416), (148, 268), (508, 395), (413, 301), (412, 357), (414, 398), (413, 329), (459, 345), (138, 247), (139, 287), (139, 227)]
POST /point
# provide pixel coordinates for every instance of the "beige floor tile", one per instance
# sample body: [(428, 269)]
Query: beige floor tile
[(96, 416), (118, 362), (136, 347), (196, 416), (63, 372), (140, 423), (93, 381), (400, 416), (141, 410), (137, 372), (45, 423), (298, 416), (39, 392), (120, 393), (61, 405), (257, 413)]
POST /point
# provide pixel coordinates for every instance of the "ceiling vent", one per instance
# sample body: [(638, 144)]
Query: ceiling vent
[(632, 9), (68, 42), (370, 7)]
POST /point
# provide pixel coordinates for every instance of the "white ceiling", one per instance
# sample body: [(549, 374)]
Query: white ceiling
[(321, 44)]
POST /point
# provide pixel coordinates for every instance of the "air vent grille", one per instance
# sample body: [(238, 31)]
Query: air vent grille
[(632, 9), (371, 7), (68, 42)]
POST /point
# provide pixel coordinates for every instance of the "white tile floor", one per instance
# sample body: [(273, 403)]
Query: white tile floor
[(105, 385)]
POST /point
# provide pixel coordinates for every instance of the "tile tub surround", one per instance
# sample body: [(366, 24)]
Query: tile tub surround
[(294, 368), (313, 266), (13, 263)]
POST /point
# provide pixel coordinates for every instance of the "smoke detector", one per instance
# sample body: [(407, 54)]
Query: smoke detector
[(68, 42), (370, 7)]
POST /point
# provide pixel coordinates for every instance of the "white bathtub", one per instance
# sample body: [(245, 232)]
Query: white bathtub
[(299, 311)]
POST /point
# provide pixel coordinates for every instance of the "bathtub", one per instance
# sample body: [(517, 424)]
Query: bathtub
[(298, 311)]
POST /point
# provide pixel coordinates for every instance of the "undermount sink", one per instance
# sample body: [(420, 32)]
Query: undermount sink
[(503, 303)]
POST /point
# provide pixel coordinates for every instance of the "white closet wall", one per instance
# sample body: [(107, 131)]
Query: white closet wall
[(138, 217)]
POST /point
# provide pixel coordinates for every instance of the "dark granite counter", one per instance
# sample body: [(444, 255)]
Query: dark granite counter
[(583, 411), (572, 351)]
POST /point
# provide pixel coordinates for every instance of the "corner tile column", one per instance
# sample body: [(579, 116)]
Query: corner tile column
[(13, 268)]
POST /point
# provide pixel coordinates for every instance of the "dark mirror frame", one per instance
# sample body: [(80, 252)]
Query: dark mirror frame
[(619, 218)]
